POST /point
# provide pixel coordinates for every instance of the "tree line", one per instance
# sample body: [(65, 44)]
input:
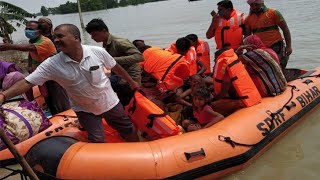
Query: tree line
[(91, 5)]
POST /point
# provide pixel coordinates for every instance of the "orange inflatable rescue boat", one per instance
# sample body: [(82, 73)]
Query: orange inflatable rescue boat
[(60, 152)]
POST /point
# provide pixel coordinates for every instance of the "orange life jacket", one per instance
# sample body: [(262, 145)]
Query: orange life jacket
[(191, 57), (228, 62), (203, 54), (229, 32), (157, 61), (150, 119)]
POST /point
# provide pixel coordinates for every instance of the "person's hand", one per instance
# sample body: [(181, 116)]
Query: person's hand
[(135, 86), (288, 50), (248, 47)]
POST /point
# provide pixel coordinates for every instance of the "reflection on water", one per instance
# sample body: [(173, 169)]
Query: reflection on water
[(296, 156)]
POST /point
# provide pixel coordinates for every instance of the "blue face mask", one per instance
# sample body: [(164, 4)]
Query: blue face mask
[(31, 34)]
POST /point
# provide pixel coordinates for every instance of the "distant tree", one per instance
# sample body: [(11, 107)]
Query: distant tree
[(123, 3), (9, 15), (44, 11)]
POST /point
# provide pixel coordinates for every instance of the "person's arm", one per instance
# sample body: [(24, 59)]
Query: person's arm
[(181, 95), (203, 68), (124, 75), (248, 47), (18, 47), (18, 88), (287, 36), (217, 117), (212, 28), (132, 54)]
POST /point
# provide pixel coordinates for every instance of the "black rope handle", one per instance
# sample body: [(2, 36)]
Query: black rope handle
[(234, 143), (287, 105)]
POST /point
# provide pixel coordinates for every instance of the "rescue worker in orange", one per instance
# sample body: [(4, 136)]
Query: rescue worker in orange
[(265, 23), (183, 47), (233, 87), (202, 50), (169, 69), (226, 26)]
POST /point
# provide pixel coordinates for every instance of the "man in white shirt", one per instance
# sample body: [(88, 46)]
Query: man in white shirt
[(80, 70)]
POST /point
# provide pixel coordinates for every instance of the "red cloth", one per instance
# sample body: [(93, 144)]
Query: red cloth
[(255, 40)]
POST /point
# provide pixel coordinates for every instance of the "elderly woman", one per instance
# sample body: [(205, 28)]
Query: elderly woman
[(45, 24), (262, 64)]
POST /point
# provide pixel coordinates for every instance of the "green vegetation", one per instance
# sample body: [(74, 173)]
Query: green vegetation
[(94, 5), (9, 15), (44, 11)]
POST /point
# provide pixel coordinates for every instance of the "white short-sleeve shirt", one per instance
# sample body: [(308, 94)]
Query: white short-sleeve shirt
[(88, 87)]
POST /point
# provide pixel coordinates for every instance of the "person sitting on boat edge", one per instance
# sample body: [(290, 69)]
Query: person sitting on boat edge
[(125, 54), (203, 51), (233, 87), (205, 116), (79, 69), (262, 66), (265, 23), (226, 26)]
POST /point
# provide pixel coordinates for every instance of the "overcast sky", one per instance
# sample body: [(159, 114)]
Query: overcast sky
[(33, 6)]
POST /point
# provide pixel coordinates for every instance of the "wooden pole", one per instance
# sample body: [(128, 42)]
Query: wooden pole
[(22, 161), (80, 14)]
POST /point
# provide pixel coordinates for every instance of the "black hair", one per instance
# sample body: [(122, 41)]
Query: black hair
[(226, 4), (183, 44), (203, 93), (137, 40), (32, 21), (140, 48), (96, 25), (192, 37), (73, 29)]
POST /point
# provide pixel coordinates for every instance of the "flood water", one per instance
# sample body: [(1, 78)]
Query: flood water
[(296, 156)]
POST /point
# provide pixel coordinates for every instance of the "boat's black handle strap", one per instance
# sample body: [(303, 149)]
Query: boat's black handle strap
[(189, 155), (233, 143)]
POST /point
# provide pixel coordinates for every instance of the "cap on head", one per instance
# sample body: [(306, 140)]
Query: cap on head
[(47, 20)]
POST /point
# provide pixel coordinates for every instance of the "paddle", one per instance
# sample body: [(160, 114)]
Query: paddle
[(21, 160)]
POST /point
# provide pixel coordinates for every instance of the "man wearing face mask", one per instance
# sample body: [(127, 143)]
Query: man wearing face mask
[(40, 48), (226, 26), (265, 23)]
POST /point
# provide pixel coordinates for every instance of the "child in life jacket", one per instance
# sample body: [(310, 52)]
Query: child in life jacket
[(202, 111)]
